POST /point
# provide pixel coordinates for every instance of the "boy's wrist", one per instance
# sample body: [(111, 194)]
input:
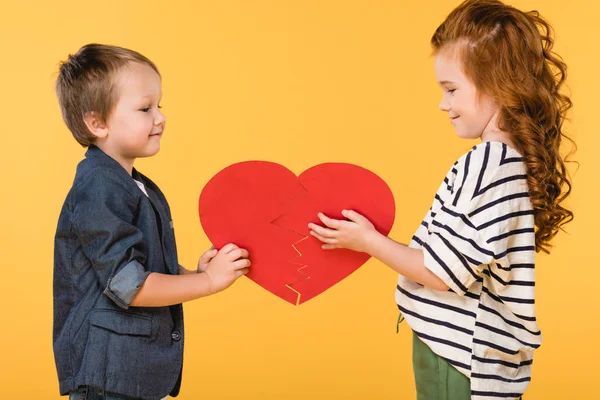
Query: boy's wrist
[(185, 271), (207, 282)]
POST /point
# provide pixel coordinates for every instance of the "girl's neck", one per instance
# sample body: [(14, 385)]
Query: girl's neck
[(492, 133), (497, 136)]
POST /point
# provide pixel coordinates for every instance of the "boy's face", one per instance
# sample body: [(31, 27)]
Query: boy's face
[(136, 124), (472, 115)]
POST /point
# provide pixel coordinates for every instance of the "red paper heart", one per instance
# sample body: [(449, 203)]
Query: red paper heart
[(264, 208)]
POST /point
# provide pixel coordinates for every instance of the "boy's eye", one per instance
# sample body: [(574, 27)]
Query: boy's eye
[(450, 90), (146, 109)]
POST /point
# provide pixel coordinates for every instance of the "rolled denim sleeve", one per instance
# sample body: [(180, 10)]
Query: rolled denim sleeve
[(104, 215), (126, 283)]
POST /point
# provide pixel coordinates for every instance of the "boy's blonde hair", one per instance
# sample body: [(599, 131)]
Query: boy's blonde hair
[(86, 83)]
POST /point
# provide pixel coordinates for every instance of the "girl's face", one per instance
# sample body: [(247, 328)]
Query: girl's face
[(473, 116)]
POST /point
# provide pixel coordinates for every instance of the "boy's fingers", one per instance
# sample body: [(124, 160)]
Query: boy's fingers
[(236, 254), (241, 272), (330, 246), (244, 253), (242, 264), (208, 255), (228, 248)]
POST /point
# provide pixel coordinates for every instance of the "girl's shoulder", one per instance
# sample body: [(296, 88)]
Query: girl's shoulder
[(490, 158), (491, 167), (492, 149)]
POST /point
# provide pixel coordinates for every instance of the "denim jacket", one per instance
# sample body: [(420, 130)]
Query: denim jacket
[(110, 237)]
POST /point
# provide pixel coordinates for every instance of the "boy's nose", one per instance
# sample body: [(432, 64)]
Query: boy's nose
[(159, 118)]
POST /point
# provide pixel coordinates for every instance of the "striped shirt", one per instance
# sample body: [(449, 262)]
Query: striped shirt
[(478, 237)]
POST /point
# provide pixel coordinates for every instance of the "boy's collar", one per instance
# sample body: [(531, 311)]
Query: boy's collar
[(96, 152)]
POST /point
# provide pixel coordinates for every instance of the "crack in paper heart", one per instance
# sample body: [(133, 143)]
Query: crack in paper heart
[(294, 260)]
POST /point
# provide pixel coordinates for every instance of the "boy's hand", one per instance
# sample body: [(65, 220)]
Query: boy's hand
[(355, 234), (205, 259), (228, 264)]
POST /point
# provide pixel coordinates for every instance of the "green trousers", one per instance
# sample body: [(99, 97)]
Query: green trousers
[(435, 378)]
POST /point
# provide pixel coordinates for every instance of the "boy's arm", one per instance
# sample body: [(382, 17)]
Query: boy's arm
[(161, 290), (222, 268), (103, 212), (185, 271)]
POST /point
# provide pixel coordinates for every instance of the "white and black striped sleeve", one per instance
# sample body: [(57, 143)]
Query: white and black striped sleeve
[(457, 247)]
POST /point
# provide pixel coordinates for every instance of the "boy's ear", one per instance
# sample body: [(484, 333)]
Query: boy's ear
[(95, 124)]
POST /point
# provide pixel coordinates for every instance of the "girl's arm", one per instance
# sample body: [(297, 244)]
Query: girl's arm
[(404, 260), (359, 234)]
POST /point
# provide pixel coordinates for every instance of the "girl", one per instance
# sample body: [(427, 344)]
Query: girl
[(466, 284)]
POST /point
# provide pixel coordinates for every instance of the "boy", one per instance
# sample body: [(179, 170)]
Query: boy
[(118, 287)]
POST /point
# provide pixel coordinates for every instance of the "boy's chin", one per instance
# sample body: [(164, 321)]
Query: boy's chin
[(150, 152)]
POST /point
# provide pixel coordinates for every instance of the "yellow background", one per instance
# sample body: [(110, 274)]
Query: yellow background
[(298, 83)]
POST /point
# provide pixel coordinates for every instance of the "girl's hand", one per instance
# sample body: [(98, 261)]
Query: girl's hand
[(355, 234), (205, 259)]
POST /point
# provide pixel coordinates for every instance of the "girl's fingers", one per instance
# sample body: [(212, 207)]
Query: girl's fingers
[(353, 216), (323, 238), (330, 246), (330, 222), (330, 233)]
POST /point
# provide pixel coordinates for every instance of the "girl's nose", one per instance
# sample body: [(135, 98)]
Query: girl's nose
[(444, 106)]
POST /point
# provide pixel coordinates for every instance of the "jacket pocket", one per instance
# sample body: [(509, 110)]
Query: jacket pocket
[(124, 323)]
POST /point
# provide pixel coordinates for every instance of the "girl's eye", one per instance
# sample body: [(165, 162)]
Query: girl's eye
[(145, 109), (450, 90)]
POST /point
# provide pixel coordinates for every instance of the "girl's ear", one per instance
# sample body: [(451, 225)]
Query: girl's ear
[(95, 124)]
